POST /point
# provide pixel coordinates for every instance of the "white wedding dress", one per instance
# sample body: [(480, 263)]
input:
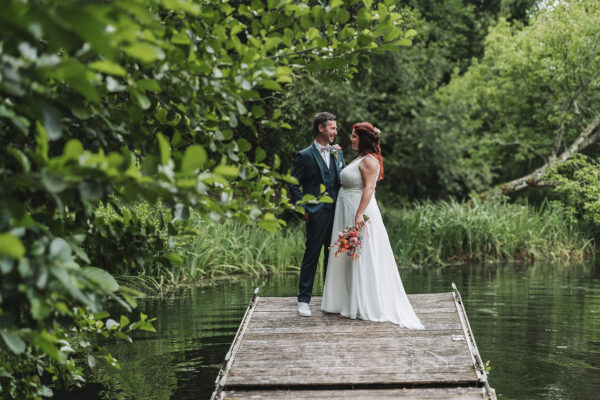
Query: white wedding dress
[(368, 287)]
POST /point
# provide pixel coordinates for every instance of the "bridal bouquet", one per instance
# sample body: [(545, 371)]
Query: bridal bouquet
[(349, 241)]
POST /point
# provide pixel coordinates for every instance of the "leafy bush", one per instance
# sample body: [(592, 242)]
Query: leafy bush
[(138, 100), (577, 184)]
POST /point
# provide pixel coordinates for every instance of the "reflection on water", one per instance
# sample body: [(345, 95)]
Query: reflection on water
[(538, 325)]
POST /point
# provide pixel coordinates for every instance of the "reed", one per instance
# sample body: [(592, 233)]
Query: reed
[(446, 232), (229, 247), (425, 234)]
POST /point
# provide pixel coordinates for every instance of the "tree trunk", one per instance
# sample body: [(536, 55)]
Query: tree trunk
[(588, 136)]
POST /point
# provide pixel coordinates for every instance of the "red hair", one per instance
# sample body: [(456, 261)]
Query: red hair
[(368, 143)]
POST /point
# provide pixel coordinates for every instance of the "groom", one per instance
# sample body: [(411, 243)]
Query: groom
[(319, 164)]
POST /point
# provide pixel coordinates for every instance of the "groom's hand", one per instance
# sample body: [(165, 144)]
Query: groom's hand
[(306, 217)]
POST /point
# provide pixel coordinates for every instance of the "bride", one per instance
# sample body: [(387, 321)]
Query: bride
[(368, 287)]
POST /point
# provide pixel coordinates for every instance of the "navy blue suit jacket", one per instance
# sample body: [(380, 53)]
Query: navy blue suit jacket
[(309, 168)]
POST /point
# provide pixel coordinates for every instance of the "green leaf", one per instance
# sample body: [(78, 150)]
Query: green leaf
[(11, 246), (270, 84), (164, 147), (270, 223), (108, 67), (144, 52), (194, 158), (111, 324), (76, 75), (20, 157), (52, 121), (49, 348), (260, 154), (227, 171), (60, 249), (276, 162), (244, 145), (174, 258), (142, 99), (409, 34), (53, 183), (257, 111), (41, 148), (148, 84), (124, 321), (73, 149), (13, 342), (101, 278)]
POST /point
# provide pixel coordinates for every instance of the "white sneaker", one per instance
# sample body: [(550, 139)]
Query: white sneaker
[(303, 310)]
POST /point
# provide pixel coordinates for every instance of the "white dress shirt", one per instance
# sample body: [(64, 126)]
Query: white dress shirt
[(325, 152)]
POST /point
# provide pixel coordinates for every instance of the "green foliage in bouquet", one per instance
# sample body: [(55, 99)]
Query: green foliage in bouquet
[(130, 100)]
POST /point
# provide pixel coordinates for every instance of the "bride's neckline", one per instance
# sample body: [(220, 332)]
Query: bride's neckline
[(356, 159)]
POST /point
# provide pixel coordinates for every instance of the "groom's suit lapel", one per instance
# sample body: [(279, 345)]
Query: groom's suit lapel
[(320, 161)]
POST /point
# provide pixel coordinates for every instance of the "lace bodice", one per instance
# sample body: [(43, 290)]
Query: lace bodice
[(351, 178)]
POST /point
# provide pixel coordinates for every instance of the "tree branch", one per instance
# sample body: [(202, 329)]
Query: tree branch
[(588, 136)]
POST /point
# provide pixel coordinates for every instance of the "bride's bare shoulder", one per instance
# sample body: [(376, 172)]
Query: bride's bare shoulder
[(369, 163)]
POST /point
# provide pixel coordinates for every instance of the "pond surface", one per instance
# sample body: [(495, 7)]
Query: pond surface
[(539, 325)]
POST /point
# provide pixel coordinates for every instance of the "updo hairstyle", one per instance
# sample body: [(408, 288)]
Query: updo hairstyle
[(368, 142)]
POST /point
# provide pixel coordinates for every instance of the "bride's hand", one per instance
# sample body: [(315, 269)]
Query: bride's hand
[(337, 147), (359, 221)]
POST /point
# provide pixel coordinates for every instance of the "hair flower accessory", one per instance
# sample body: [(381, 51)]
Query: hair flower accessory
[(376, 130)]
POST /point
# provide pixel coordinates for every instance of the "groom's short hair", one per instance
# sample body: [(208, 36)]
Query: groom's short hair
[(321, 119)]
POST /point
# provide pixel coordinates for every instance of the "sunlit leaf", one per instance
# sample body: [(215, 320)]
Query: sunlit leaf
[(11, 246), (108, 67)]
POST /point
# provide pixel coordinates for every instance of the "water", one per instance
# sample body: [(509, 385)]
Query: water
[(538, 325)]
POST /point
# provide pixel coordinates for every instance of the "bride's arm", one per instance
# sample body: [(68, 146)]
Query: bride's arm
[(368, 170)]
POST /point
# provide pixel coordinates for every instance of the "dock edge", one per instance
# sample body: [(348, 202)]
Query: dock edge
[(470, 338), (230, 356)]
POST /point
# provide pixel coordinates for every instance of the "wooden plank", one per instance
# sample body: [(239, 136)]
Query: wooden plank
[(336, 336), (312, 350), (324, 328), (413, 298), (356, 354), (439, 315), (344, 376), (437, 365), (366, 394)]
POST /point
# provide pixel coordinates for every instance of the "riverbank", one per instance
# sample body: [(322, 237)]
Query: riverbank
[(425, 234)]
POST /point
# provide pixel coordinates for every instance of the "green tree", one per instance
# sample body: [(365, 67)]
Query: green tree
[(532, 100), (396, 91), (127, 100)]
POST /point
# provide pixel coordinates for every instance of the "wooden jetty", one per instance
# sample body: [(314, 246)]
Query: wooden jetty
[(277, 354)]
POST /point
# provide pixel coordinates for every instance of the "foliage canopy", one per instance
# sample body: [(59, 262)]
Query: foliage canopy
[(129, 100)]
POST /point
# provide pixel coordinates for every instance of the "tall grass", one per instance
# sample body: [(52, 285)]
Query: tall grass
[(443, 232), (424, 234), (229, 247)]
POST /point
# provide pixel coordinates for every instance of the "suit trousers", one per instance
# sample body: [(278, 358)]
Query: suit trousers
[(318, 234)]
